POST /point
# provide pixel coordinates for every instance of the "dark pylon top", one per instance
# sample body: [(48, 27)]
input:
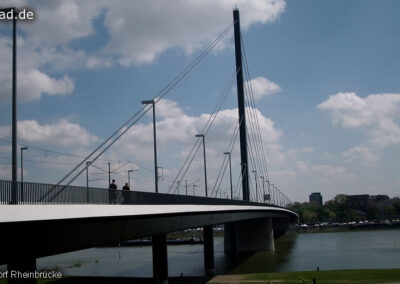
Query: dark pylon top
[(241, 107)]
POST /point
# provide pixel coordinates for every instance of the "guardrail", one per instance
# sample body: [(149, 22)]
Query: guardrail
[(39, 193)]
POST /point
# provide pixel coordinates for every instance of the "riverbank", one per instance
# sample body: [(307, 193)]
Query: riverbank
[(364, 276), (345, 227), (119, 280), (361, 276)]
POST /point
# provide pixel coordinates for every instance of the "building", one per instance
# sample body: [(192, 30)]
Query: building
[(359, 202), (379, 197), (316, 197)]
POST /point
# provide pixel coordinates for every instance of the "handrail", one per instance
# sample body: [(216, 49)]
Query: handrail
[(32, 193)]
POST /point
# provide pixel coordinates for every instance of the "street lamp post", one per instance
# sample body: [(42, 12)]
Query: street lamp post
[(129, 176), (263, 185), (152, 102), (255, 180), (14, 107), (280, 197), (195, 185), (230, 171), (87, 181), (109, 173), (272, 193), (205, 163), (87, 174), (22, 172)]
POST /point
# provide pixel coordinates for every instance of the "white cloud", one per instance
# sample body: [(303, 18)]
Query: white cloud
[(329, 171), (374, 115), (175, 137), (360, 154), (167, 108), (283, 174), (176, 130), (190, 22), (63, 133), (321, 170), (262, 87), (294, 152), (302, 167), (34, 83), (59, 22), (31, 82), (139, 35)]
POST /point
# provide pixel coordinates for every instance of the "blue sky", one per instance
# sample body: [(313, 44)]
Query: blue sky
[(325, 77)]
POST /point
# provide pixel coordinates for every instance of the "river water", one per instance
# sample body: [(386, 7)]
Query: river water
[(297, 252), (328, 251)]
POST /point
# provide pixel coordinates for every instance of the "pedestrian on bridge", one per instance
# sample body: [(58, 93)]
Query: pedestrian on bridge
[(112, 192), (126, 193)]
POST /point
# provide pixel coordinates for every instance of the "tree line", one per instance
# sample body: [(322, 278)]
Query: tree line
[(340, 209)]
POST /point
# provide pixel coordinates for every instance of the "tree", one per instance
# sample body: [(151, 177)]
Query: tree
[(342, 204), (309, 217), (331, 215), (372, 212), (390, 212), (396, 206)]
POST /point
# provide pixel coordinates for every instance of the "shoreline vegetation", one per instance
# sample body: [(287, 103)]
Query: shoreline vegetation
[(348, 208), (346, 227)]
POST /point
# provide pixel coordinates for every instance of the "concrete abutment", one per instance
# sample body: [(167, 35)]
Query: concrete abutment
[(248, 236)]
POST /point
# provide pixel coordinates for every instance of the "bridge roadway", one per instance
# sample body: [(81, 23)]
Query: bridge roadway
[(29, 231)]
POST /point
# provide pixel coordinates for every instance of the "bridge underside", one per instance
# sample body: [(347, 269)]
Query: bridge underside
[(42, 232)]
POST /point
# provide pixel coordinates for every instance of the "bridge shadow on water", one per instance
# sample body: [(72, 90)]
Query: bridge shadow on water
[(260, 262), (267, 261)]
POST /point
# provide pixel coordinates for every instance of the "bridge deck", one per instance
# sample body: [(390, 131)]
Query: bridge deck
[(49, 219), (50, 229), (22, 213)]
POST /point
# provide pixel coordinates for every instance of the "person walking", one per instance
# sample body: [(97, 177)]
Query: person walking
[(126, 193), (126, 187), (112, 192)]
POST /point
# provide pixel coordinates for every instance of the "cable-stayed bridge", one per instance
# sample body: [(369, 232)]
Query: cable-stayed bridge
[(61, 217)]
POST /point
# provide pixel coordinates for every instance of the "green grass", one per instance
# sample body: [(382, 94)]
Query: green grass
[(78, 264), (368, 276)]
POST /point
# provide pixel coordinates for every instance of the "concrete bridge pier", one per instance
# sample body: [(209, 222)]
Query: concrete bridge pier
[(22, 263), (248, 236), (160, 258), (208, 239), (231, 241)]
